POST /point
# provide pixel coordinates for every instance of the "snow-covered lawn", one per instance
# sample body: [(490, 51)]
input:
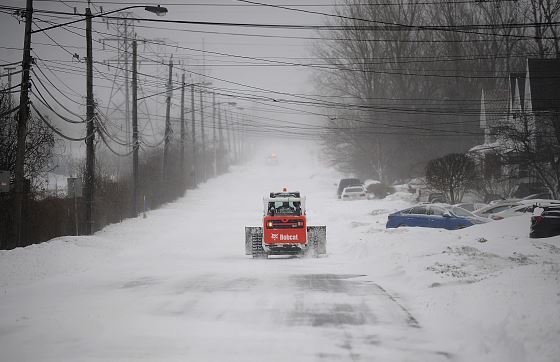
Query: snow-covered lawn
[(177, 286)]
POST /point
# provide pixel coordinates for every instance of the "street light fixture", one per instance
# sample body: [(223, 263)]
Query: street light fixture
[(158, 10)]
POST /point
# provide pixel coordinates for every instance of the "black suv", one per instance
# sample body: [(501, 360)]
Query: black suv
[(547, 223), (346, 182)]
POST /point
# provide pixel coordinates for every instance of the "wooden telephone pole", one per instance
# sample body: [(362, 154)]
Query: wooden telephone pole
[(22, 125), (167, 124), (90, 129)]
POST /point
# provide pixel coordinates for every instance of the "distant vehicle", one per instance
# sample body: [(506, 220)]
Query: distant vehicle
[(471, 206), (434, 216), (494, 208), (354, 193), (545, 222), (272, 160), (345, 182)]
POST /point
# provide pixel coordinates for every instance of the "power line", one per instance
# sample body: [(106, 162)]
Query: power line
[(54, 129)]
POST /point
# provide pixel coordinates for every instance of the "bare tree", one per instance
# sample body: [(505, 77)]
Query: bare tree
[(537, 150), (40, 143), (496, 178), (545, 15), (453, 174)]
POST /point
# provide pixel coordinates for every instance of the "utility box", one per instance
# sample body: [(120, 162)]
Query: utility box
[(74, 187), (5, 181)]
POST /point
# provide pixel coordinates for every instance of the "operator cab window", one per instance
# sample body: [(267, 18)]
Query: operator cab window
[(284, 208)]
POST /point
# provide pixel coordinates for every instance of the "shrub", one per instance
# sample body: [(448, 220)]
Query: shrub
[(380, 190)]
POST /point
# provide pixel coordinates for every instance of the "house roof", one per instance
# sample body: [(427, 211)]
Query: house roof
[(545, 83)]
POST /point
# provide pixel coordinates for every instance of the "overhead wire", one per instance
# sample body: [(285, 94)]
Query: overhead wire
[(55, 130)]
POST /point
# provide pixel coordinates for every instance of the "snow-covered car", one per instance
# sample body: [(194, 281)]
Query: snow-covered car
[(487, 211), (542, 202), (525, 206), (354, 193), (442, 216), (512, 211), (542, 195), (471, 206)]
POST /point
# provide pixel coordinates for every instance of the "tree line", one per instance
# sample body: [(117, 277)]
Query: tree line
[(404, 79)]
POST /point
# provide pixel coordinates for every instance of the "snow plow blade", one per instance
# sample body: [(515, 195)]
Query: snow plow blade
[(317, 238), (253, 236)]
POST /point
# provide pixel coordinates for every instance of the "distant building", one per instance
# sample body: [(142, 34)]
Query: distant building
[(532, 100)]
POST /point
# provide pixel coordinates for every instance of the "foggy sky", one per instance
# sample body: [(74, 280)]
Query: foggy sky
[(278, 78)]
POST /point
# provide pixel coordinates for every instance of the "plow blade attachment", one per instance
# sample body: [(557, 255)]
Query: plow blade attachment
[(253, 239), (317, 238)]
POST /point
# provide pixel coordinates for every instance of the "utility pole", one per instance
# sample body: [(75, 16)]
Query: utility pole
[(22, 124), (228, 133), (193, 135), (234, 138), (90, 147), (214, 143), (203, 134), (182, 166), (135, 144), (126, 88), (221, 143), (167, 123)]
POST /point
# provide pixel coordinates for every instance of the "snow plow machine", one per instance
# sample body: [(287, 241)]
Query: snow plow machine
[(284, 230)]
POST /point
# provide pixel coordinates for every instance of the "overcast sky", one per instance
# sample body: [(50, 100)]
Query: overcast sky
[(55, 50)]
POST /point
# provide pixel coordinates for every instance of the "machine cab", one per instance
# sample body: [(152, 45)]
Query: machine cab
[(284, 218)]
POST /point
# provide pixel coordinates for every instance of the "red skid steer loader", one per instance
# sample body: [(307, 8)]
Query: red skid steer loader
[(285, 230)]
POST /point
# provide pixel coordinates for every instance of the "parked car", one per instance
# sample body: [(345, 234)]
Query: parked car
[(512, 211), (471, 206), (542, 195), (354, 193), (435, 216), (525, 206), (503, 201), (494, 208), (345, 182), (542, 202), (545, 222)]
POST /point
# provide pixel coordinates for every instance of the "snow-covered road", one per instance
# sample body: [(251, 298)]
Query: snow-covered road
[(177, 285)]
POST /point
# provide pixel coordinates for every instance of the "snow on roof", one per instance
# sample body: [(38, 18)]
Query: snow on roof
[(497, 146)]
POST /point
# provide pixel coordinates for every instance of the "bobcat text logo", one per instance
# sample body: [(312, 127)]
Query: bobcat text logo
[(288, 237)]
